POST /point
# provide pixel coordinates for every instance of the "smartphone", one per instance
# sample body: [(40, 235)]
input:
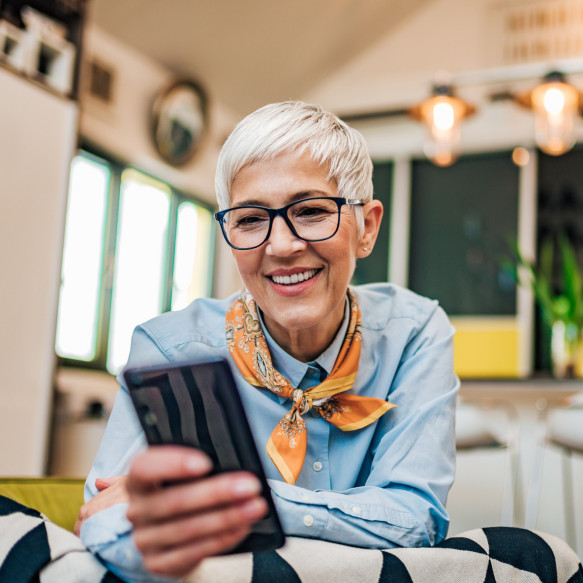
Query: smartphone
[(198, 405)]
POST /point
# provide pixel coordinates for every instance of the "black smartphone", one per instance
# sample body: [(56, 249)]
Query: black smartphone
[(198, 405)]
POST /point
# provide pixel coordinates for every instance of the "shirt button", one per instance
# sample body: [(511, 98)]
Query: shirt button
[(356, 509), (305, 498), (129, 555), (317, 466), (308, 520)]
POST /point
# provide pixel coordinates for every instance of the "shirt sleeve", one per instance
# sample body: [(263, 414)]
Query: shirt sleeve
[(108, 533), (412, 460)]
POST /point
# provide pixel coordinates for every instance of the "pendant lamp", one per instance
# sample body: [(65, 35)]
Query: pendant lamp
[(556, 105), (442, 114)]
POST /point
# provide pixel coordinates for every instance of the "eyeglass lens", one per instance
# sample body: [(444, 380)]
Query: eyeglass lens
[(313, 219)]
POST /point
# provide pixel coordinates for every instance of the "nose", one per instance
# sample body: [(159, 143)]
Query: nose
[(281, 240)]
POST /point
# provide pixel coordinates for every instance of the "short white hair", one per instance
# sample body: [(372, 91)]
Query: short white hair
[(295, 126)]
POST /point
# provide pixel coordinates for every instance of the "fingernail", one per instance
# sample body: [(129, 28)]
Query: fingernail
[(254, 508), (246, 487), (197, 464)]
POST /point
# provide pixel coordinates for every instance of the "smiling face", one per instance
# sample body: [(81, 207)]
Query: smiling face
[(299, 286)]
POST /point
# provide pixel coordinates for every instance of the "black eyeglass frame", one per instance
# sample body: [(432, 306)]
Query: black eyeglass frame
[(282, 212)]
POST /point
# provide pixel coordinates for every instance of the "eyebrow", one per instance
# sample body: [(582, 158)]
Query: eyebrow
[(294, 197)]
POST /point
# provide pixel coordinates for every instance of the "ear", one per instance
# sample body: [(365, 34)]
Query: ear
[(373, 213)]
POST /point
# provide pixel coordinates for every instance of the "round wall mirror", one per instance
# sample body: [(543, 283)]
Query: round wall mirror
[(180, 121)]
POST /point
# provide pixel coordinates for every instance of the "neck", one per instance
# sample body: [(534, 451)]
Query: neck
[(304, 345)]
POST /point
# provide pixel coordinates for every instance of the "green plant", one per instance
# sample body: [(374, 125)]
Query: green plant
[(565, 302)]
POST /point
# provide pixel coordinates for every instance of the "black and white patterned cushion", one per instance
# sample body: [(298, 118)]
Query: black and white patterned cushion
[(489, 555), (34, 550)]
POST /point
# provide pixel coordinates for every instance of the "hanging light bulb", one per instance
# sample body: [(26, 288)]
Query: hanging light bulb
[(442, 114), (556, 104)]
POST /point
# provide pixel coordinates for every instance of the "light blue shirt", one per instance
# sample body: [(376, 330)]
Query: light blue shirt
[(382, 486)]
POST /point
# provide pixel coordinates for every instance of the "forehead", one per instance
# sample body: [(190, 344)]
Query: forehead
[(281, 178)]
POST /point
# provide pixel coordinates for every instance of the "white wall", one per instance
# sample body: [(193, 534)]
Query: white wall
[(400, 66)]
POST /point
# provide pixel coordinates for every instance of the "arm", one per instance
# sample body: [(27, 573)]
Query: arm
[(104, 527), (400, 500), (112, 491), (148, 528)]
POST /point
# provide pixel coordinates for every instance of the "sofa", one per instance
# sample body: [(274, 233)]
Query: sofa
[(59, 499)]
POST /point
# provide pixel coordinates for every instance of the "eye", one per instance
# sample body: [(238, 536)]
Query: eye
[(309, 211), (314, 210), (248, 219)]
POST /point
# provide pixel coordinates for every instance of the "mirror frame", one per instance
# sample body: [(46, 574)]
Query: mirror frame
[(180, 121)]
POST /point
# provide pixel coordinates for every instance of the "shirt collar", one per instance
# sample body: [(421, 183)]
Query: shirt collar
[(295, 370)]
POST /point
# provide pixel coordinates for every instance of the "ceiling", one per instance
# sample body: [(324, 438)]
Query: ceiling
[(250, 52)]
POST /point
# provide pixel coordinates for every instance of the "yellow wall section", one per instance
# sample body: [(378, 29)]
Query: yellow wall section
[(486, 347)]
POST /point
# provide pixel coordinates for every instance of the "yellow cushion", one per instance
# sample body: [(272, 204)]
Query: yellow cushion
[(59, 499)]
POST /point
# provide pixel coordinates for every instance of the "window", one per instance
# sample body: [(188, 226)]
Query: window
[(462, 220), (133, 248)]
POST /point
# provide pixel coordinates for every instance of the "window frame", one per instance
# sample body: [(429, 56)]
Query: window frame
[(177, 197)]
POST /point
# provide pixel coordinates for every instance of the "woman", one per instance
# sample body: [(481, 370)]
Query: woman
[(350, 390)]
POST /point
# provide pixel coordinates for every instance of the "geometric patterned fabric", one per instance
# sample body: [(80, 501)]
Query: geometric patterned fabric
[(489, 555), (34, 550)]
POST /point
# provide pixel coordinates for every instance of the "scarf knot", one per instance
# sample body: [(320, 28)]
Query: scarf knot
[(288, 442)]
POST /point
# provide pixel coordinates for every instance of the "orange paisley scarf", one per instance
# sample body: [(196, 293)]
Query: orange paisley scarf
[(287, 445)]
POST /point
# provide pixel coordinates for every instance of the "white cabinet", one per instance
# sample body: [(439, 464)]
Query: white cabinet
[(38, 132)]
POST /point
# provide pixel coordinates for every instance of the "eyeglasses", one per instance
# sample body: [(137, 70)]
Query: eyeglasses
[(310, 219)]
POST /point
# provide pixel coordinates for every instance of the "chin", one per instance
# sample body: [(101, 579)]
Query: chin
[(295, 319)]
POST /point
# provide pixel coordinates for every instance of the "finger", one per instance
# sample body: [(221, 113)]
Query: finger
[(179, 562), (166, 463), (103, 483), (84, 513), (199, 526), (77, 527), (188, 498)]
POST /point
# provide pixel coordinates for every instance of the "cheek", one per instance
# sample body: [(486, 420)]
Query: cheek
[(247, 262), (342, 256), (345, 244)]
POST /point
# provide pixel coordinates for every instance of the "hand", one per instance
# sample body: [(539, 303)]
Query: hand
[(194, 515), (111, 491)]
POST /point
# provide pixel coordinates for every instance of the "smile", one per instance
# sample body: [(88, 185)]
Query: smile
[(294, 278)]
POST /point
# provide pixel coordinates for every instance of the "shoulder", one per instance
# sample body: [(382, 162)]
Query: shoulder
[(201, 322), (398, 317), (384, 303)]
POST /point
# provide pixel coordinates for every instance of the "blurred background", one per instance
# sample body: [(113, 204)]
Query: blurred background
[(111, 118)]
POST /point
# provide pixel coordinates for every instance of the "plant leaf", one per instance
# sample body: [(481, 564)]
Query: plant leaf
[(572, 284)]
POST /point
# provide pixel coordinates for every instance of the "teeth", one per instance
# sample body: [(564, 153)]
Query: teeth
[(295, 278)]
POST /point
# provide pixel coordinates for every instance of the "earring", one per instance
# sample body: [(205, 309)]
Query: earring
[(365, 248)]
